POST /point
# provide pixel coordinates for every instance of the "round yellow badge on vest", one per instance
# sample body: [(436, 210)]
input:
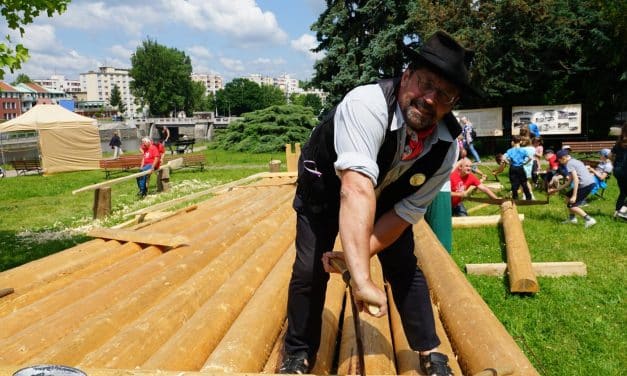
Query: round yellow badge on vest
[(417, 179)]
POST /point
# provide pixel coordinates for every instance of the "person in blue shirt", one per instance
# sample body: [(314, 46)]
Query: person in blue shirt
[(517, 158), (533, 128)]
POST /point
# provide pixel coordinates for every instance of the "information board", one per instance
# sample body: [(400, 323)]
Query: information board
[(485, 121), (551, 120)]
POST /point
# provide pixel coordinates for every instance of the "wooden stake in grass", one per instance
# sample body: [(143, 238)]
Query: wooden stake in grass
[(522, 278)]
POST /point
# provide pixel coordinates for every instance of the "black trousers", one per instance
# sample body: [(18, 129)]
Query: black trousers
[(518, 178), (315, 234)]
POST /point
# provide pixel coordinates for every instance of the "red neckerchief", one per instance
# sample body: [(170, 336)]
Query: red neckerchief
[(415, 142)]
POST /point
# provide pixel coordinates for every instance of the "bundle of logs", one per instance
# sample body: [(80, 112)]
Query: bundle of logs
[(205, 289)]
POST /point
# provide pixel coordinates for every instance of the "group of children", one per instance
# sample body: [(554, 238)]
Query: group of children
[(563, 172)]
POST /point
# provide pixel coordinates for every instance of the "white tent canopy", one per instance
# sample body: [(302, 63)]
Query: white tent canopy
[(67, 141)]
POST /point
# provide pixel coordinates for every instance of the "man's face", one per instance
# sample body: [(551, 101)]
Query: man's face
[(424, 98), (465, 167)]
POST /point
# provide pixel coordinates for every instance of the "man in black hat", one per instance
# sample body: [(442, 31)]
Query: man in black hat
[(369, 171)]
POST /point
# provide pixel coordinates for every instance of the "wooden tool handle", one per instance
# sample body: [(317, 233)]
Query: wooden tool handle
[(340, 265)]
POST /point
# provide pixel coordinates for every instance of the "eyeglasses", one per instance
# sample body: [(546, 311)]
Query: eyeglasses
[(441, 96)]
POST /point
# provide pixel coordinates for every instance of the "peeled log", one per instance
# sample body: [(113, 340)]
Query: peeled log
[(330, 324), (377, 337), (522, 278), (132, 346), (46, 269), (247, 344), (407, 360), (479, 221), (476, 334), (189, 348)]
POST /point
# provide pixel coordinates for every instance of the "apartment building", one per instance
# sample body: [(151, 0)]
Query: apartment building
[(60, 83), (98, 86), (10, 102), (212, 82)]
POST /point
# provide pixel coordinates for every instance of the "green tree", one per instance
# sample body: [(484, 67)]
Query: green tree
[(308, 100), (361, 40), (162, 78), (269, 129), (238, 96), (22, 79), (527, 52), (116, 99), (199, 100), (19, 13), (270, 96)]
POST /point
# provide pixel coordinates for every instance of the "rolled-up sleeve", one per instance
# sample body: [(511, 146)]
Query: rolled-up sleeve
[(360, 126), (413, 208)]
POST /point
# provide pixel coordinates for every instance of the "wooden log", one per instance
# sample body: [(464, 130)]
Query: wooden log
[(141, 237), (276, 355), (46, 269), (265, 312), (133, 345), (480, 221), (115, 254), (479, 339), (476, 208), (47, 331), (376, 337), (151, 306), (163, 179), (494, 186), (102, 202), (407, 360), (522, 278), (111, 182), (330, 325), (10, 370), (190, 347), (292, 157), (542, 269)]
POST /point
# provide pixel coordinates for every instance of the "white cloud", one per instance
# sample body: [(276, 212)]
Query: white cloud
[(97, 16), (200, 52), (241, 20), (121, 52), (233, 65), (304, 44), (68, 63), (40, 38)]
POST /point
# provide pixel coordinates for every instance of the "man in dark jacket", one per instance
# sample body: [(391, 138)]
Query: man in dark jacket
[(369, 171)]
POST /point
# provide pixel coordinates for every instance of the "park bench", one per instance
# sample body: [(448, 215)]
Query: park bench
[(182, 145), (588, 147), (124, 163), (24, 166), (189, 160)]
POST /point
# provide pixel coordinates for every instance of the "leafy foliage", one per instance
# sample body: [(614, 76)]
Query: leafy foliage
[(527, 52), (116, 99), (268, 130), (162, 78), (242, 95), (17, 14), (307, 100), (21, 79)]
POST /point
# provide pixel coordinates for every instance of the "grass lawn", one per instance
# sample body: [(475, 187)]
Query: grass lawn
[(572, 326)]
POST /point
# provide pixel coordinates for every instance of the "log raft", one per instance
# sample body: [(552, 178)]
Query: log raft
[(113, 307)]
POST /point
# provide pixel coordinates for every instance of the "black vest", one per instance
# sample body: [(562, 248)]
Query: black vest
[(321, 193)]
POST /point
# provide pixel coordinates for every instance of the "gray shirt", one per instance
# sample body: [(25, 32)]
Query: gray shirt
[(360, 122), (577, 167)]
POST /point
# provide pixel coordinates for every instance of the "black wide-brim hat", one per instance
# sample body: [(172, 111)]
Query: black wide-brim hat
[(446, 56)]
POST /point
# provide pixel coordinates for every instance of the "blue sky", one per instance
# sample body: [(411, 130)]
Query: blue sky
[(233, 38)]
